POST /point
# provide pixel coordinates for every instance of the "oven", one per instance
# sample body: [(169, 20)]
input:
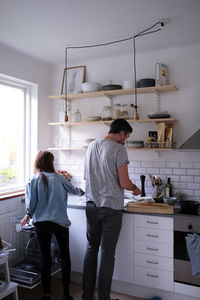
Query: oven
[(184, 224)]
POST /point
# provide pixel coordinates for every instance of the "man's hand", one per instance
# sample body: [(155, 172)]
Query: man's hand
[(136, 191)]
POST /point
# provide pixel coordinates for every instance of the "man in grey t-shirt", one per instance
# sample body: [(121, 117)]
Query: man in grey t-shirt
[(106, 174)]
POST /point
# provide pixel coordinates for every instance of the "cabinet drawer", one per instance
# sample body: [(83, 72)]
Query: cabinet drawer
[(153, 278), (153, 235), (163, 223), (151, 248), (154, 262)]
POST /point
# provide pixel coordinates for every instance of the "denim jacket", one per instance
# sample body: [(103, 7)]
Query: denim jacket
[(50, 204)]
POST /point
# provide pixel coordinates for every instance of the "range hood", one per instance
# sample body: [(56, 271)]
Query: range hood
[(193, 143)]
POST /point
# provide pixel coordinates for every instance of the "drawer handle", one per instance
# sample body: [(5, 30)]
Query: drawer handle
[(151, 275), (152, 235), (152, 222), (152, 249), (152, 262)]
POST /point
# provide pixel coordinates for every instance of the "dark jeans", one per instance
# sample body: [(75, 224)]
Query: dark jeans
[(44, 231), (103, 228)]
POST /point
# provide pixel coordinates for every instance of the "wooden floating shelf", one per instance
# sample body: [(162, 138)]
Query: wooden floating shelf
[(67, 149), (112, 93), (166, 120), (128, 148)]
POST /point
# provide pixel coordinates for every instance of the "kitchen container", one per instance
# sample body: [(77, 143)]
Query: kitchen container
[(128, 84), (145, 82), (189, 207), (170, 200), (106, 113), (77, 116), (111, 87), (135, 144), (124, 111), (91, 87), (116, 112)]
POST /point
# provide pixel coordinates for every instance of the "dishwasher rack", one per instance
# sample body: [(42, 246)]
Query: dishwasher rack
[(26, 272)]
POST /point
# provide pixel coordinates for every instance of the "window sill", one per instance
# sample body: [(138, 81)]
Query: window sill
[(12, 194)]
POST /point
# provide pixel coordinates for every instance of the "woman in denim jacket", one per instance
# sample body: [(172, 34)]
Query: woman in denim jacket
[(46, 203)]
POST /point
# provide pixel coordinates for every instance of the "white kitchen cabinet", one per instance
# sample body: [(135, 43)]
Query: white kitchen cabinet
[(77, 238), (123, 270), (110, 95), (153, 251), (124, 252)]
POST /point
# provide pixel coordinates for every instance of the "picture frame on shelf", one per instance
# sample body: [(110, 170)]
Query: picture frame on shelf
[(73, 77)]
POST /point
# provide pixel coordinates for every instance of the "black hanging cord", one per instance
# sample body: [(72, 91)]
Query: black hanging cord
[(142, 33), (134, 65)]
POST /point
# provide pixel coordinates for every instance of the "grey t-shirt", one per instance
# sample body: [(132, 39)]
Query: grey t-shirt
[(103, 157)]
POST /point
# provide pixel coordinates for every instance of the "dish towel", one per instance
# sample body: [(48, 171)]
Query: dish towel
[(193, 248)]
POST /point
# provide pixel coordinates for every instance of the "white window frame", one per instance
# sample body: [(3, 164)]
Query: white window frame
[(30, 124)]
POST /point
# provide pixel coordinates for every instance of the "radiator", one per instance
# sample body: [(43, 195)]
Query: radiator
[(8, 233)]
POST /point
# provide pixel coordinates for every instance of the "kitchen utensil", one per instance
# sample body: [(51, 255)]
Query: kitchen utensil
[(145, 82), (90, 87), (189, 207), (142, 178), (170, 200), (110, 87)]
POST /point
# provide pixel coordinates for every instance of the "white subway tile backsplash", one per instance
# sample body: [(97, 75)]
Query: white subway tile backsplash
[(193, 172), (197, 193), (140, 170), (186, 164), (197, 165), (172, 164), (187, 178), (166, 171), (160, 164), (133, 163), (179, 171), (147, 164), (185, 175), (196, 178), (193, 186), (153, 171)]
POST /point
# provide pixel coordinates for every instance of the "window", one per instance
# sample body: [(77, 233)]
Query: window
[(17, 137)]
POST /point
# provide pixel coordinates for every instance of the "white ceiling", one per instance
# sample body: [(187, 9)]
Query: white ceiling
[(43, 28)]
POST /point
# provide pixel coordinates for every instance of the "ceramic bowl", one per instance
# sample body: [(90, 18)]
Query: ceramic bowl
[(90, 87), (169, 200)]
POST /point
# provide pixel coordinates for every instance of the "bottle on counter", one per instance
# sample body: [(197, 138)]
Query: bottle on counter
[(168, 188)]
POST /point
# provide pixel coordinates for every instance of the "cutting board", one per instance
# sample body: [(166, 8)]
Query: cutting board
[(159, 208)]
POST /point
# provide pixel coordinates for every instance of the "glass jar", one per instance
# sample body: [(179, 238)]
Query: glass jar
[(131, 112), (117, 109), (61, 113), (124, 111), (106, 113), (77, 116)]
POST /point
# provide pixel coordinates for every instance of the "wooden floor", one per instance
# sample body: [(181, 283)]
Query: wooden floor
[(76, 292)]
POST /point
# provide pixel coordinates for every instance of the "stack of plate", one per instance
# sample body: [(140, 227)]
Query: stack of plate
[(159, 115), (91, 87), (135, 144)]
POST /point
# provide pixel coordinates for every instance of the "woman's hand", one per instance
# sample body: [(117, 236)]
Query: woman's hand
[(24, 220)]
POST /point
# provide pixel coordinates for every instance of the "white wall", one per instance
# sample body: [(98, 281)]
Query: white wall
[(183, 104), (19, 65)]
